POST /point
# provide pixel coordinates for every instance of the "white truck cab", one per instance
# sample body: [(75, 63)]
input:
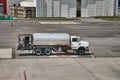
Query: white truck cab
[(79, 45)]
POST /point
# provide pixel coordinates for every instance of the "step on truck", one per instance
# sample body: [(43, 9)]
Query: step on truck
[(48, 43)]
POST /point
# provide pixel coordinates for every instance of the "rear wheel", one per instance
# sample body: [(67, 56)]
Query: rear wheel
[(38, 52), (81, 51), (48, 51)]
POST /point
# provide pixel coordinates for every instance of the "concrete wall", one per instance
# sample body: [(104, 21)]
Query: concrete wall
[(49, 8), (98, 8), (116, 7), (55, 8), (39, 8), (67, 8)]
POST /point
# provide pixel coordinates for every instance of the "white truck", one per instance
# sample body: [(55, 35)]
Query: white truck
[(48, 43)]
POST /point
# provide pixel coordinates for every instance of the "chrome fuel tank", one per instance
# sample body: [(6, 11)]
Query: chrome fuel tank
[(61, 39)]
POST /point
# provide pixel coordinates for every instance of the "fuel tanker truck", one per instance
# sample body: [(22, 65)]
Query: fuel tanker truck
[(48, 43)]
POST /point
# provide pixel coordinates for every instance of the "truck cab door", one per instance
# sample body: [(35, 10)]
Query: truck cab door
[(74, 42)]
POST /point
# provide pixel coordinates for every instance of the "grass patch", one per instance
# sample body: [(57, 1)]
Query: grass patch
[(109, 18), (116, 49)]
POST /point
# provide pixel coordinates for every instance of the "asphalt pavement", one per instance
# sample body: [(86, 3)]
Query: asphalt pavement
[(102, 64), (104, 37), (60, 69)]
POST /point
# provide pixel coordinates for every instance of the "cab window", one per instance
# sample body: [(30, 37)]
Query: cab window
[(74, 39)]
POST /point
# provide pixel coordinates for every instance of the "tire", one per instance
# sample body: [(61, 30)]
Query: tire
[(81, 51), (38, 52), (47, 51)]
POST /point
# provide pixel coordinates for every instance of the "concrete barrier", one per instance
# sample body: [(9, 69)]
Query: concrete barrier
[(6, 53)]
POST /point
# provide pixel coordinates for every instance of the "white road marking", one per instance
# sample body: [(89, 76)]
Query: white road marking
[(64, 56), (93, 56), (58, 22)]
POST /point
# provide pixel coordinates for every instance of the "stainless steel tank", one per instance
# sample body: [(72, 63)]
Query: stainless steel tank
[(61, 39)]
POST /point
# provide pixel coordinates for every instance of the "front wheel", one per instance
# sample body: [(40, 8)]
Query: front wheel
[(81, 51)]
